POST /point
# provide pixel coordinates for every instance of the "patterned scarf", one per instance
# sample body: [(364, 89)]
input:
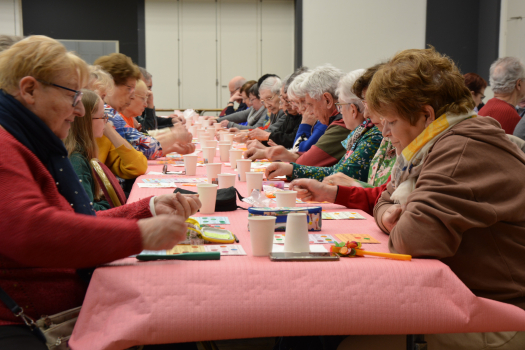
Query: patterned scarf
[(382, 163), (355, 136), (32, 132), (409, 164)]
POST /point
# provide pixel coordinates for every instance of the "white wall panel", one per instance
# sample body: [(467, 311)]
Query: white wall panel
[(239, 29), (10, 17), (198, 33), (277, 37), (162, 53), (352, 34)]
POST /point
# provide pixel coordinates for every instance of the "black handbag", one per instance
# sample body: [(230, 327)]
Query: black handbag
[(226, 198)]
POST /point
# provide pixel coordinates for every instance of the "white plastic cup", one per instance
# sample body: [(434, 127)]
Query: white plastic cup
[(222, 135), (226, 180), (254, 181), (190, 164), (211, 143), (286, 198), (243, 166), (224, 150), (201, 119), (208, 153), (262, 229), (193, 130), (296, 237), (211, 131), (228, 137), (208, 196), (202, 139), (212, 172), (235, 154), (217, 126)]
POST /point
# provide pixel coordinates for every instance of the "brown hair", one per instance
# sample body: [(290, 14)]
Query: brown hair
[(40, 57), (120, 66), (415, 78), (246, 86), (364, 80), (474, 82), (80, 138)]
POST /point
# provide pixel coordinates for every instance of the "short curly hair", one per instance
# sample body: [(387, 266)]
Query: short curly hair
[(120, 66), (415, 78), (364, 80)]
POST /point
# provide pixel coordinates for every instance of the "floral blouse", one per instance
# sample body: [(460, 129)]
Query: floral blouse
[(150, 147), (356, 161), (382, 164)]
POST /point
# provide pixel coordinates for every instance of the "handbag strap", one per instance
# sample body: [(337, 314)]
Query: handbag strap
[(19, 312)]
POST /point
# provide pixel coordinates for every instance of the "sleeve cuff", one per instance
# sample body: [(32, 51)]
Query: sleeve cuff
[(152, 206)]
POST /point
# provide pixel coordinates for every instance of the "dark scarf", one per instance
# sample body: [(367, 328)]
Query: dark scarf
[(33, 133)]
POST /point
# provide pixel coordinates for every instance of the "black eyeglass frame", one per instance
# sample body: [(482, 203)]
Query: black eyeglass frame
[(78, 94)]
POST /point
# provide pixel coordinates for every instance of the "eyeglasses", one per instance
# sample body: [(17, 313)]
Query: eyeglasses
[(78, 94), (340, 106), (131, 89), (269, 99), (105, 117), (143, 98)]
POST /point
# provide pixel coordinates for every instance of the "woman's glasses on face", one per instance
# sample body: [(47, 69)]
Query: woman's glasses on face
[(78, 94), (105, 117), (340, 106)]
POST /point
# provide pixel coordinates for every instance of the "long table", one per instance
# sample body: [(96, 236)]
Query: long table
[(130, 303)]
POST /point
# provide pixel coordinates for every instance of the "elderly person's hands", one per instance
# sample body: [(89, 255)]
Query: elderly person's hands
[(340, 179), (233, 130), (278, 169), (309, 118), (255, 144), (259, 134), (255, 153), (224, 123), (149, 100), (281, 153), (182, 148), (391, 216), (177, 204), (313, 190), (162, 232), (271, 143), (181, 134), (241, 137), (236, 97)]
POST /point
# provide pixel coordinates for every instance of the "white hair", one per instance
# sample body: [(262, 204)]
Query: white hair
[(344, 89), (272, 83), (294, 90), (322, 79), (504, 73)]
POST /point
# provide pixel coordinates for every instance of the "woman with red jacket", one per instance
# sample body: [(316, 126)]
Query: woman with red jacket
[(48, 228)]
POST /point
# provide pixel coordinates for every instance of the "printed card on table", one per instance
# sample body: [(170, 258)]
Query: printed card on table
[(226, 249), (363, 238), (157, 185), (342, 215), (212, 220), (314, 238)]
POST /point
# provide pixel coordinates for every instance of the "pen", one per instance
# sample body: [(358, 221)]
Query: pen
[(236, 239)]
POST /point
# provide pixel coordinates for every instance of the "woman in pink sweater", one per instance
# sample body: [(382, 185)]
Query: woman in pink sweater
[(48, 228)]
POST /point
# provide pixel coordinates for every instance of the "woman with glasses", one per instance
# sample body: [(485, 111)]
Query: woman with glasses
[(254, 116), (361, 147), (138, 104), (113, 150), (82, 147), (49, 227)]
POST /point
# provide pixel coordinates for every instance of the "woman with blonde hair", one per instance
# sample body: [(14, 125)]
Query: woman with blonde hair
[(82, 147), (52, 228)]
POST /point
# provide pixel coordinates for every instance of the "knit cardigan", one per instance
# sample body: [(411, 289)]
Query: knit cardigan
[(43, 241)]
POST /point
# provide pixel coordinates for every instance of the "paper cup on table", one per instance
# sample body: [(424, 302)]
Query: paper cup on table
[(296, 237), (203, 139), (262, 230), (208, 196), (208, 154), (286, 198), (211, 143), (222, 135), (211, 132), (226, 180), (228, 137), (200, 119), (235, 154), (190, 164), (243, 166), (224, 150), (212, 172), (254, 181), (217, 126)]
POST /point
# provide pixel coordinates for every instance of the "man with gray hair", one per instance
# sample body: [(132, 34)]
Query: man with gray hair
[(320, 86), (507, 77)]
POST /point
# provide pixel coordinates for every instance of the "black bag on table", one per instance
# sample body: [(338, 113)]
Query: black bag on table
[(226, 198)]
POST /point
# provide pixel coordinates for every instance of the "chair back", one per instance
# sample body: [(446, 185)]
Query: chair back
[(109, 184)]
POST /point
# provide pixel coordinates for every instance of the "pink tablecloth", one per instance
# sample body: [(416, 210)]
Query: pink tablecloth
[(246, 296)]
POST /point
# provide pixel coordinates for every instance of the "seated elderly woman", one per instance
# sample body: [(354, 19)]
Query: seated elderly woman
[(457, 193), (361, 147), (137, 105), (254, 116), (125, 75), (52, 226), (113, 150)]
